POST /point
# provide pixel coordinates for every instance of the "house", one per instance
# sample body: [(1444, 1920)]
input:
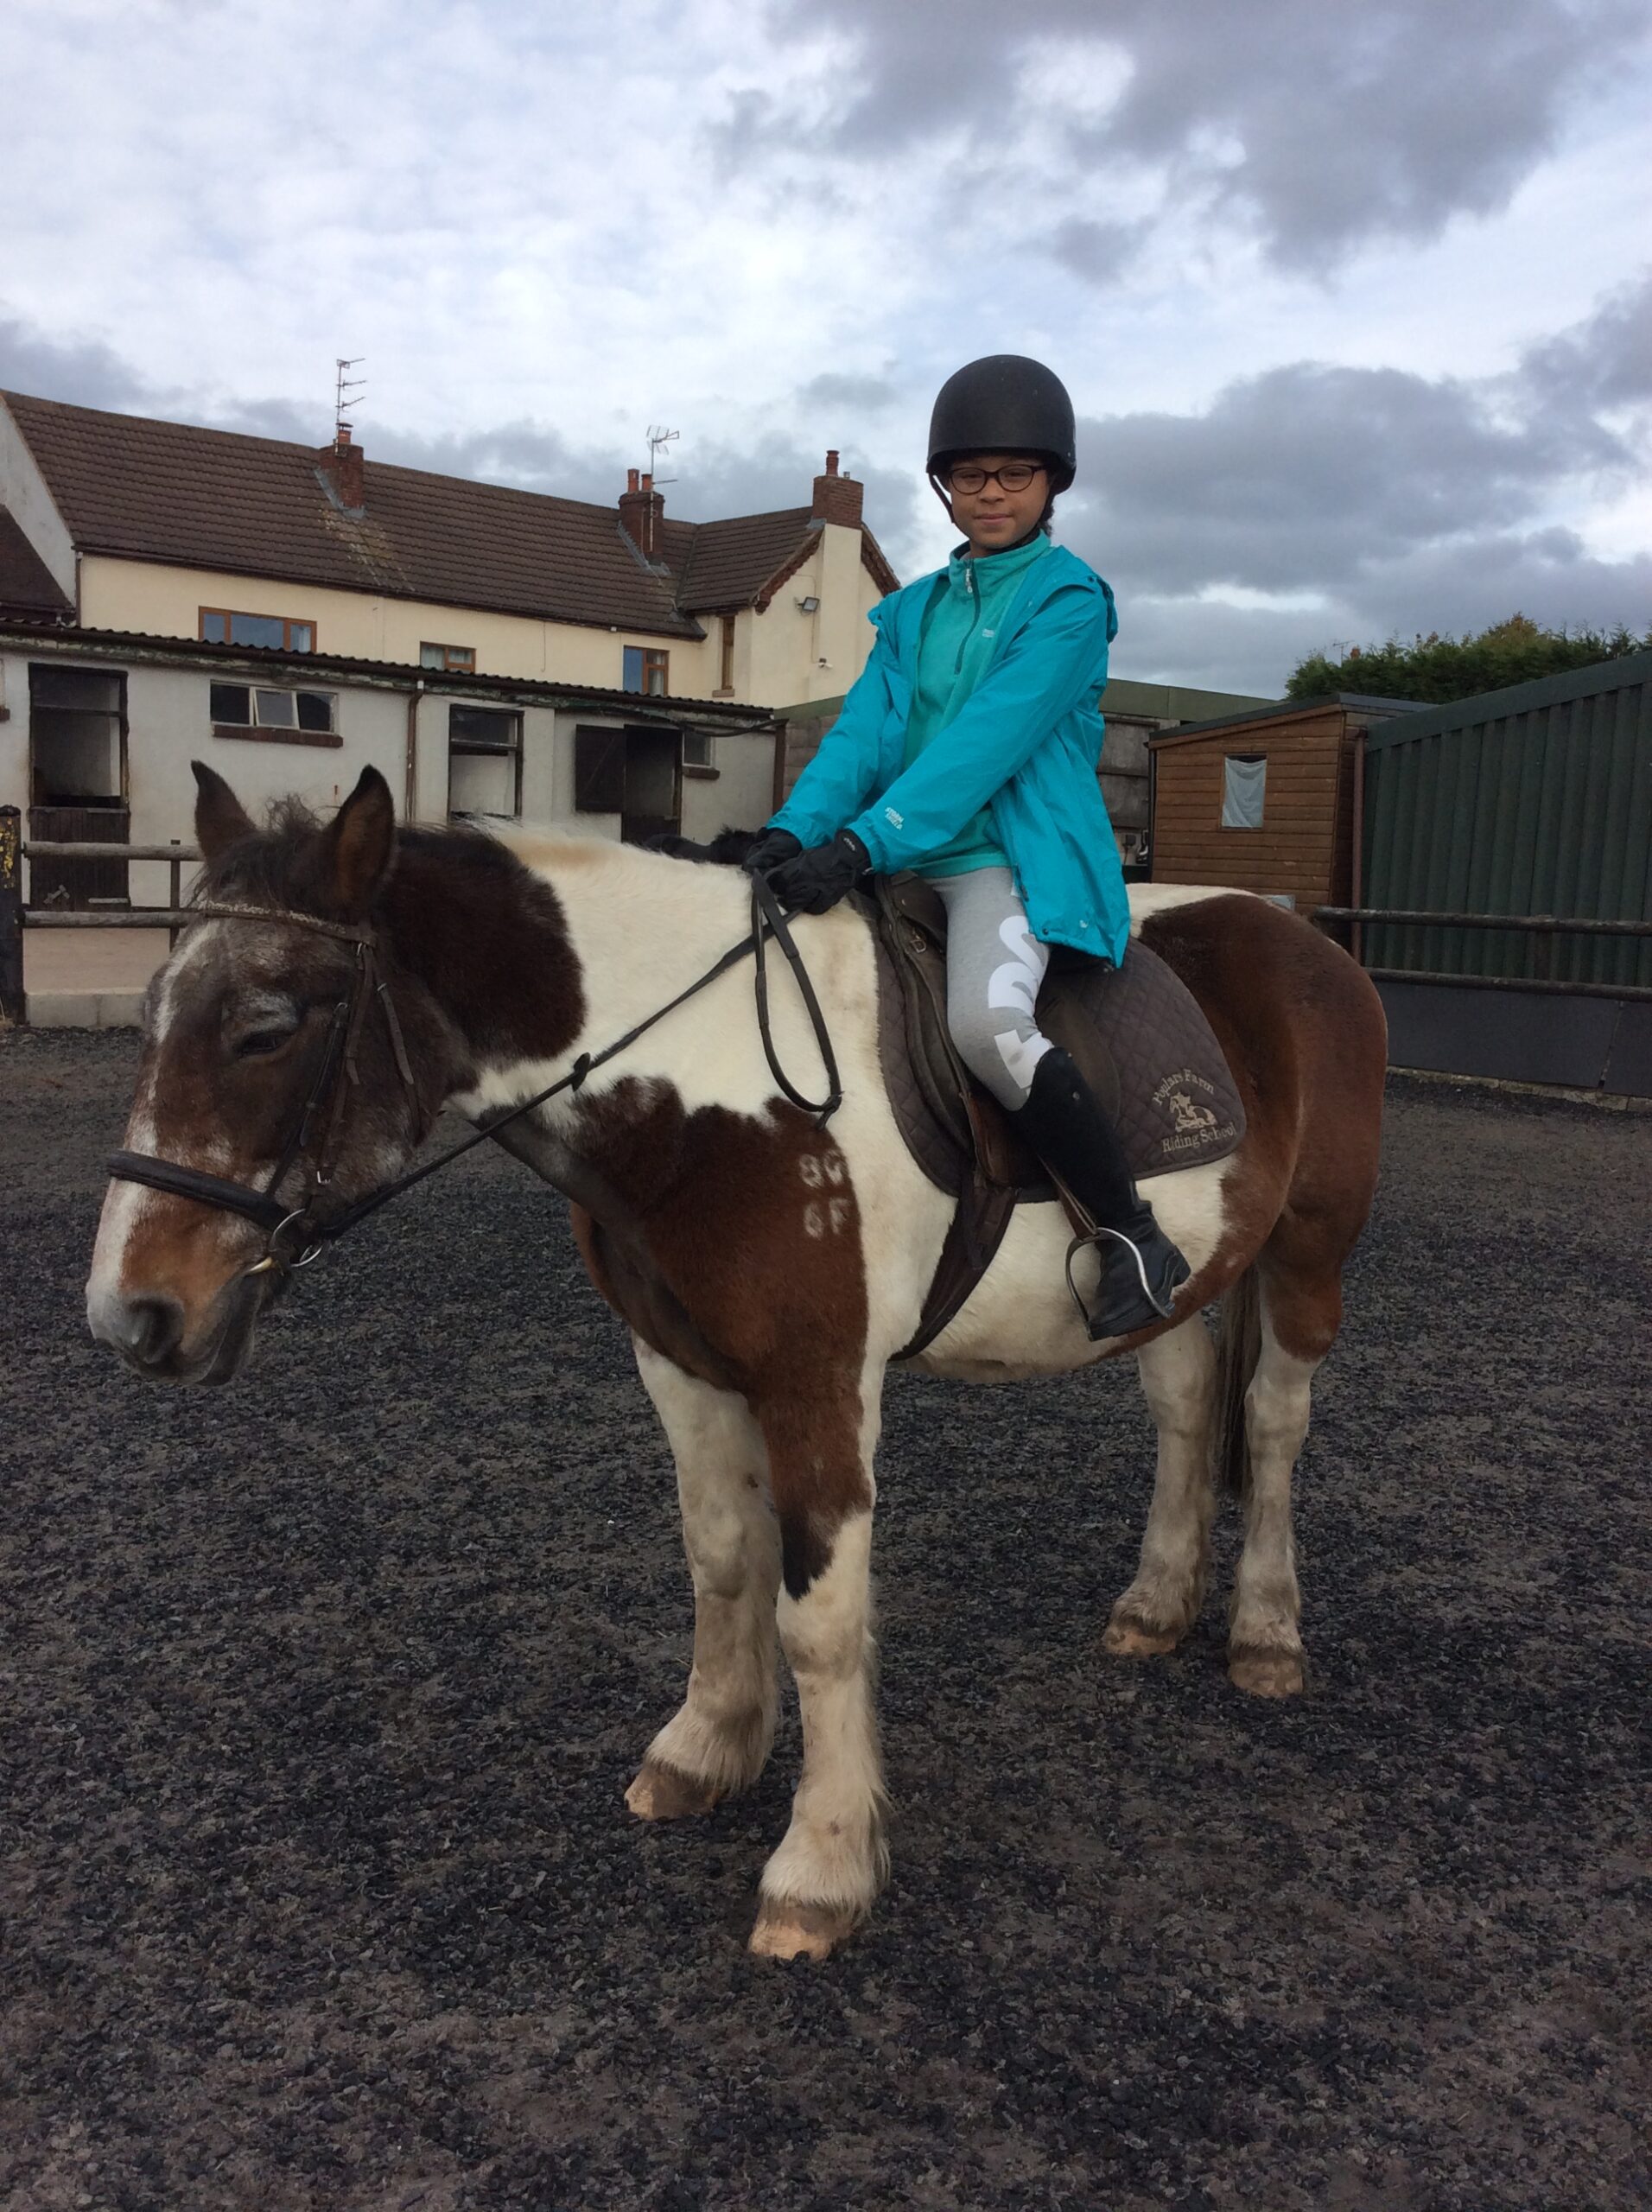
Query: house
[(169, 590)]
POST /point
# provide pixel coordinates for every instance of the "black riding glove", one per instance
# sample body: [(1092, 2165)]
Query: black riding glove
[(816, 880), (773, 847)]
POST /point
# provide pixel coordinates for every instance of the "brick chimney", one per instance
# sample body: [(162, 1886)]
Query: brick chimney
[(642, 510), (837, 498), (343, 469)]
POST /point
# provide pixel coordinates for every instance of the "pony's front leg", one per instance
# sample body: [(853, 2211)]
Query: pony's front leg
[(1178, 1382), (718, 1741), (832, 1861)]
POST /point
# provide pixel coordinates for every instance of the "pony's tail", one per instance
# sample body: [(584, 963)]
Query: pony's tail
[(1238, 1347)]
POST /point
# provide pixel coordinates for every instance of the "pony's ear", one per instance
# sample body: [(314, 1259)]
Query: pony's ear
[(358, 844), (220, 819)]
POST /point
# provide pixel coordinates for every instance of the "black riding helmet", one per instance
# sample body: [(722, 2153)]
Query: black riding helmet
[(1005, 403)]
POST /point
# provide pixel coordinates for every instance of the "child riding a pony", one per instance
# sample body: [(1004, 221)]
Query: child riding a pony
[(967, 752)]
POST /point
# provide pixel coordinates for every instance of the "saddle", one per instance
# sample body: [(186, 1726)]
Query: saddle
[(1136, 1033)]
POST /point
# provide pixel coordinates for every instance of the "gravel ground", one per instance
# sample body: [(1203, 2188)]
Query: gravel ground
[(322, 1692)]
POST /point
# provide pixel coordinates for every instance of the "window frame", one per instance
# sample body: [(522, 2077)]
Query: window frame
[(448, 666), (288, 624), (476, 750), (260, 733), (650, 658)]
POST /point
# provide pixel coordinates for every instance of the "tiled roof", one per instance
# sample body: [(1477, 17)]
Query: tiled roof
[(27, 585), (217, 499), (155, 491), (730, 561)]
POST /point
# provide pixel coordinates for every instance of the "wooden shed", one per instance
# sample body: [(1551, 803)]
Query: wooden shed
[(1265, 801)]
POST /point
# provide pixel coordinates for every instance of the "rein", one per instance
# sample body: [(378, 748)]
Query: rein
[(298, 1226)]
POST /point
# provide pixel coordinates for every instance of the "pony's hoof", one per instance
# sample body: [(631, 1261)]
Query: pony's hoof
[(800, 1931), (660, 1793), (1267, 1674), (1132, 1639)]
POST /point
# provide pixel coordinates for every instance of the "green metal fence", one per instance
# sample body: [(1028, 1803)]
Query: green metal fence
[(1533, 801)]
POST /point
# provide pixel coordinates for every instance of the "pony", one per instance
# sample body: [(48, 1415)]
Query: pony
[(340, 983)]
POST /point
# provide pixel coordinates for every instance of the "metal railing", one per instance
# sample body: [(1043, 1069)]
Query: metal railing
[(1543, 927), (16, 917)]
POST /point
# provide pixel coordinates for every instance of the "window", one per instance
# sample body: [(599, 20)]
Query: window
[(646, 670), (696, 750), (1244, 786), (220, 626), (726, 671), (459, 660), (281, 717), (484, 761)]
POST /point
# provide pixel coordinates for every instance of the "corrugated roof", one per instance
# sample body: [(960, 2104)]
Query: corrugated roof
[(147, 490), (263, 663), (27, 585)]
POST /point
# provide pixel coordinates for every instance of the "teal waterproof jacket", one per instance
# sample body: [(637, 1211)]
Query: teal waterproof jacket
[(1025, 745)]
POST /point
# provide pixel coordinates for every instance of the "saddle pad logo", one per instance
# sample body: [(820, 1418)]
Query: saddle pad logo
[(1193, 1124)]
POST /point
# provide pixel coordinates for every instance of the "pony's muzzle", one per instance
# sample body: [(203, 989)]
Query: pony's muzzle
[(146, 1331)]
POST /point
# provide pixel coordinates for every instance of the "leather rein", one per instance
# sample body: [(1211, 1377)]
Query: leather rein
[(298, 1234)]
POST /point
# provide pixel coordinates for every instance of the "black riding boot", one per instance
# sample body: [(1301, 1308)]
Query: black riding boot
[(1141, 1269)]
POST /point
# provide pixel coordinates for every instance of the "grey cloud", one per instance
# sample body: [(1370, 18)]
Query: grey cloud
[(1325, 127), (1406, 504), (529, 455), (1606, 362), (86, 372), (1182, 639), (869, 395), (1307, 475), (289, 419), (716, 478), (1096, 252)]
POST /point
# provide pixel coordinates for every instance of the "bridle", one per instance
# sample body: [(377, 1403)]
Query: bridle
[(296, 1235)]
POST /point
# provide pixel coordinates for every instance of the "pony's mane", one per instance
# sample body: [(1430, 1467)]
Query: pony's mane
[(280, 864)]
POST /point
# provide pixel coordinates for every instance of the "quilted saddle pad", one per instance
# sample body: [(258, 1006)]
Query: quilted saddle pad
[(1137, 1032)]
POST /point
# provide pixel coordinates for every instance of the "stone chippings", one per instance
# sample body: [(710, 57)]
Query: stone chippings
[(320, 1693)]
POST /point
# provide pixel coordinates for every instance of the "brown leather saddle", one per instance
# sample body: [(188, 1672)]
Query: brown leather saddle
[(1136, 1032)]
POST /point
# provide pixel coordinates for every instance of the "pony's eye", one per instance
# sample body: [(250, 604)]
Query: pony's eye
[(256, 1043)]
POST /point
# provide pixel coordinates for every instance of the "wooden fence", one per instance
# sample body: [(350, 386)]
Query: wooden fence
[(16, 917)]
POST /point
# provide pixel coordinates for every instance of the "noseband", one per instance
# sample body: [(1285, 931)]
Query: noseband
[(296, 1235)]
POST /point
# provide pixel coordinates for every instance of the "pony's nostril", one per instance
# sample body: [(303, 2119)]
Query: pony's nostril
[(150, 1328)]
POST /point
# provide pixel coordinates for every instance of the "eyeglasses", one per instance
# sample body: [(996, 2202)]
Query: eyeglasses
[(1014, 476)]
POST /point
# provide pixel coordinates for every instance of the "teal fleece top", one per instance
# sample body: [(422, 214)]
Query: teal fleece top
[(1024, 746), (955, 644)]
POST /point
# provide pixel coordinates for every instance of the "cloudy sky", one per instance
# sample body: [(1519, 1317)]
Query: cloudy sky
[(1355, 301)]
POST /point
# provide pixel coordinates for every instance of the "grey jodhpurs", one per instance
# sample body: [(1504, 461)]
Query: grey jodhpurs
[(994, 968)]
